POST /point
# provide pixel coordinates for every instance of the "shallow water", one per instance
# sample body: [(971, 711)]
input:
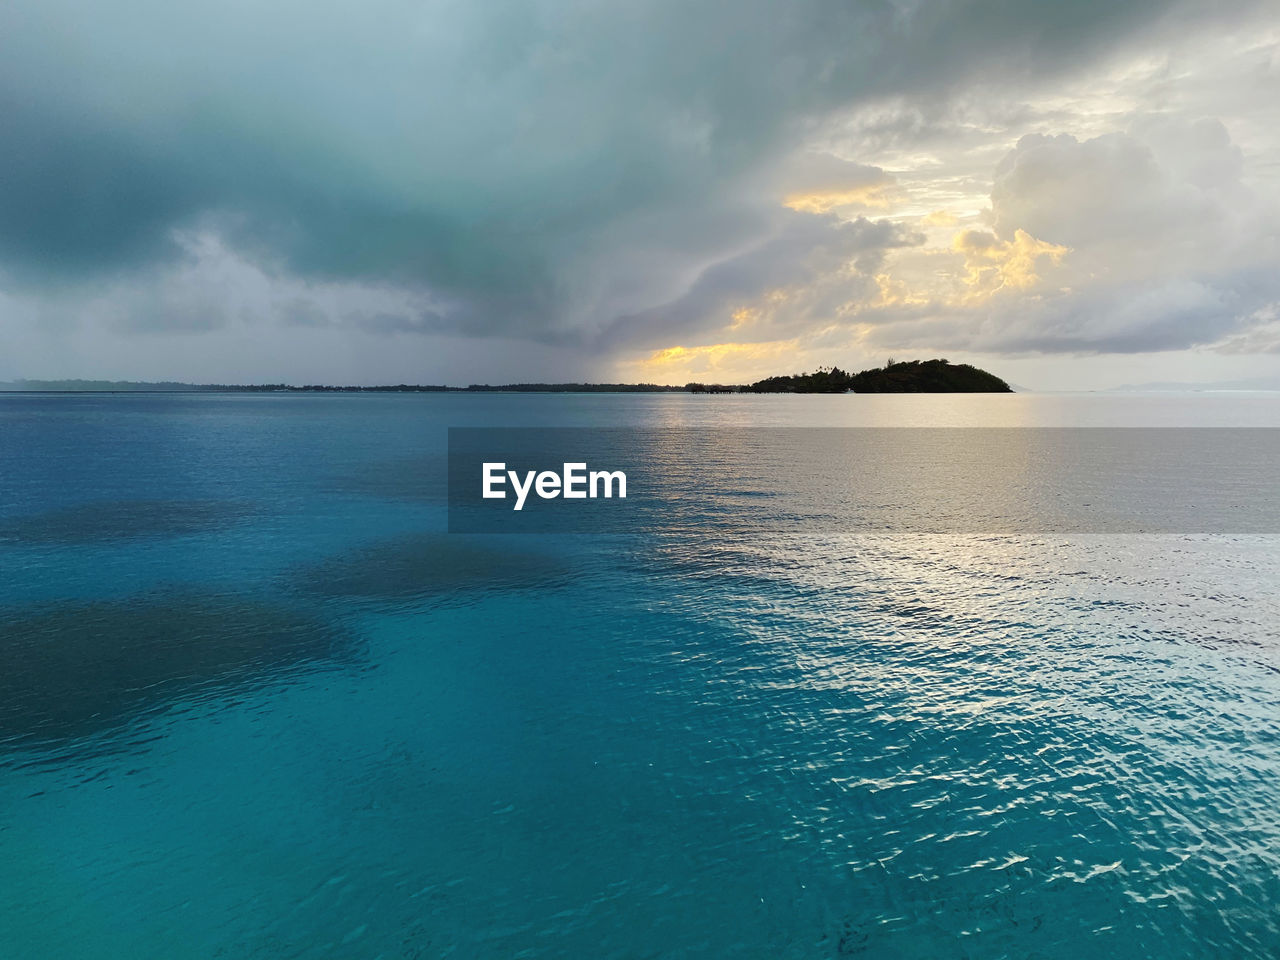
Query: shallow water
[(258, 704)]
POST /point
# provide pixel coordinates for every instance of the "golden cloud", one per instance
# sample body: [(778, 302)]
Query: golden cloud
[(718, 362), (874, 195), (994, 264), (940, 218)]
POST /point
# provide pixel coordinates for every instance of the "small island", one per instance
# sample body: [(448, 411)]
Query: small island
[(911, 376)]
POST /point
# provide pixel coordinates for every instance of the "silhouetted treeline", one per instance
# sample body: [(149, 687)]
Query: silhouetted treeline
[(396, 388), (822, 380)]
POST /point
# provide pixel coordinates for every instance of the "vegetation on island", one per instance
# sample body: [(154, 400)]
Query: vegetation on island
[(912, 376), (927, 376), (822, 380)]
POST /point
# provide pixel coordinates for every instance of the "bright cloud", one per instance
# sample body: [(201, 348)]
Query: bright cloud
[(994, 265)]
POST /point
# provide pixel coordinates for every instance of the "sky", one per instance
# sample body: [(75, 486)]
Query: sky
[(1074, 195)]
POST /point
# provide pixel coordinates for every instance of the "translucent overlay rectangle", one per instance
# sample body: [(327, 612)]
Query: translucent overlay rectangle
[(876, 480)]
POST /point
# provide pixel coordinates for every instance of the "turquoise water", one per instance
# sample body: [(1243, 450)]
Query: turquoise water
[(254, 702)]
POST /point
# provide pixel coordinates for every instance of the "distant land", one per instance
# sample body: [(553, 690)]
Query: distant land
[(1181, 386), (168, 386), (912, 376)]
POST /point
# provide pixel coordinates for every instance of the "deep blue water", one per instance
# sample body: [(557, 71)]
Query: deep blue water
[(254, 702)]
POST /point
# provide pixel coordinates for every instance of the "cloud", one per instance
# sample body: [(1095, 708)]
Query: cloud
[(804, 272), (994, 264), (1168, 248), (715, 363), (824, 183), (1108, 244), (602, 177), (1113, 194), (1127, 243), (391, 323), (302, 311)]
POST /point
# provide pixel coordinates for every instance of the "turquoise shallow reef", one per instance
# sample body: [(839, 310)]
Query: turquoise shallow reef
[(255, 702)]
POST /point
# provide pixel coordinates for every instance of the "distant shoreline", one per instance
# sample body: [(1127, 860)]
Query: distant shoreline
[(914, 376), (49, 387)]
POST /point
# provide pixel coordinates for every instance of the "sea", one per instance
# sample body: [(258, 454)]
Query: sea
[(257, 700)]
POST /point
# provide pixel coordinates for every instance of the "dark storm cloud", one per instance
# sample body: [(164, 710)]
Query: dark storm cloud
[(77, 196)]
